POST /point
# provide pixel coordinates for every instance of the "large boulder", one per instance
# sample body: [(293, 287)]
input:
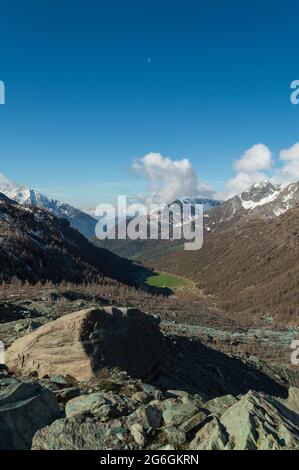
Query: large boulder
[(24, 408), (82, 343)]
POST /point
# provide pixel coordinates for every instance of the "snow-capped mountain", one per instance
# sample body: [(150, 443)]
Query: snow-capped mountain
[(207, 203), (259, 194), (177, 206), (262, 200), (176, 211), (79, 220)]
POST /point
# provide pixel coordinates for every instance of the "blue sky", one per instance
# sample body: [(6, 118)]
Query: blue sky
[(92, 85)]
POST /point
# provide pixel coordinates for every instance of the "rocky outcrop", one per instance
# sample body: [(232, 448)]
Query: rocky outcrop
[(82, 343), (24, 408), (84, 433), (94, 403), (120, 421), (38, 246), (255, 422)]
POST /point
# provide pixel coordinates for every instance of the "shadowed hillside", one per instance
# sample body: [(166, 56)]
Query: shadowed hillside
[(250, 268), (37, 246)]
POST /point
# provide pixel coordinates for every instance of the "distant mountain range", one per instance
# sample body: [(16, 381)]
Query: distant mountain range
[(79, 220), (262, 200), (249, 260), (35, 245), (142, 250)]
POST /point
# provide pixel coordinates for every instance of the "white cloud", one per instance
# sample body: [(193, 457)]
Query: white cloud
[(170, 179), (255, 159), (249, 169), (242, 181), (290, 169)]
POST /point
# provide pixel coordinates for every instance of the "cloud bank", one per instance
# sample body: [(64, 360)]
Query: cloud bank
[(290, 169), (170, 179), (249, 169)]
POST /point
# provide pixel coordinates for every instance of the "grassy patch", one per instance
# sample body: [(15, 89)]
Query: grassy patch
[(166, 280)]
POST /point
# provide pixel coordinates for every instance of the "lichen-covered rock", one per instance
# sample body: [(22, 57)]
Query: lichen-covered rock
[(24, 408), (194, 422), (212, 436), (82, 343), (292, 402), (141, 397), (175, 414), (218, 405), (148, 416), (138, 434), (84, 433), (255, 422), (174, 435), (91, 403)]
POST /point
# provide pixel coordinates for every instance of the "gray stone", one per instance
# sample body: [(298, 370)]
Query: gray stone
[(83, 433), (220, 404), (255, 422), (153, 392), (178, 394), (141, 397), (85, 404), (212, 436), (177, 413), (24, 408), (292, 402), (168, 447), (174, 435), (62, 380), (148, 416), (138, 434), (194, 422)]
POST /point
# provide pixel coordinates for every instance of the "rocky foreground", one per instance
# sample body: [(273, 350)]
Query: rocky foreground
[(106, 378)]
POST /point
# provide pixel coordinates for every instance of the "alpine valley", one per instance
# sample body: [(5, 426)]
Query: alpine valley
[(182, 351)]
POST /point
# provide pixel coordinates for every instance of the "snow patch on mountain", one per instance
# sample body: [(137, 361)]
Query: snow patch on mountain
[(25, 196), (260, 194), (252, 204)]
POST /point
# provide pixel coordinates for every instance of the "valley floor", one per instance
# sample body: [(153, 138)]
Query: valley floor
[(187, 312), (215, 369)]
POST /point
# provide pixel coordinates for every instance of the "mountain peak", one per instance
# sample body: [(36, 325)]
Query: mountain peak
[(8, 183), (259, 194), (26, 196)]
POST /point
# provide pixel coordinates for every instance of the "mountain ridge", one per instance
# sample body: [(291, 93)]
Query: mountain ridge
[(78, 219), (36, 245), (261, 200), (250, 267)]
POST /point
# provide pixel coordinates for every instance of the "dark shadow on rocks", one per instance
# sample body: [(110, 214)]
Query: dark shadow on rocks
[(12, 312), (73, 296), (195, 368), (127, 339)]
